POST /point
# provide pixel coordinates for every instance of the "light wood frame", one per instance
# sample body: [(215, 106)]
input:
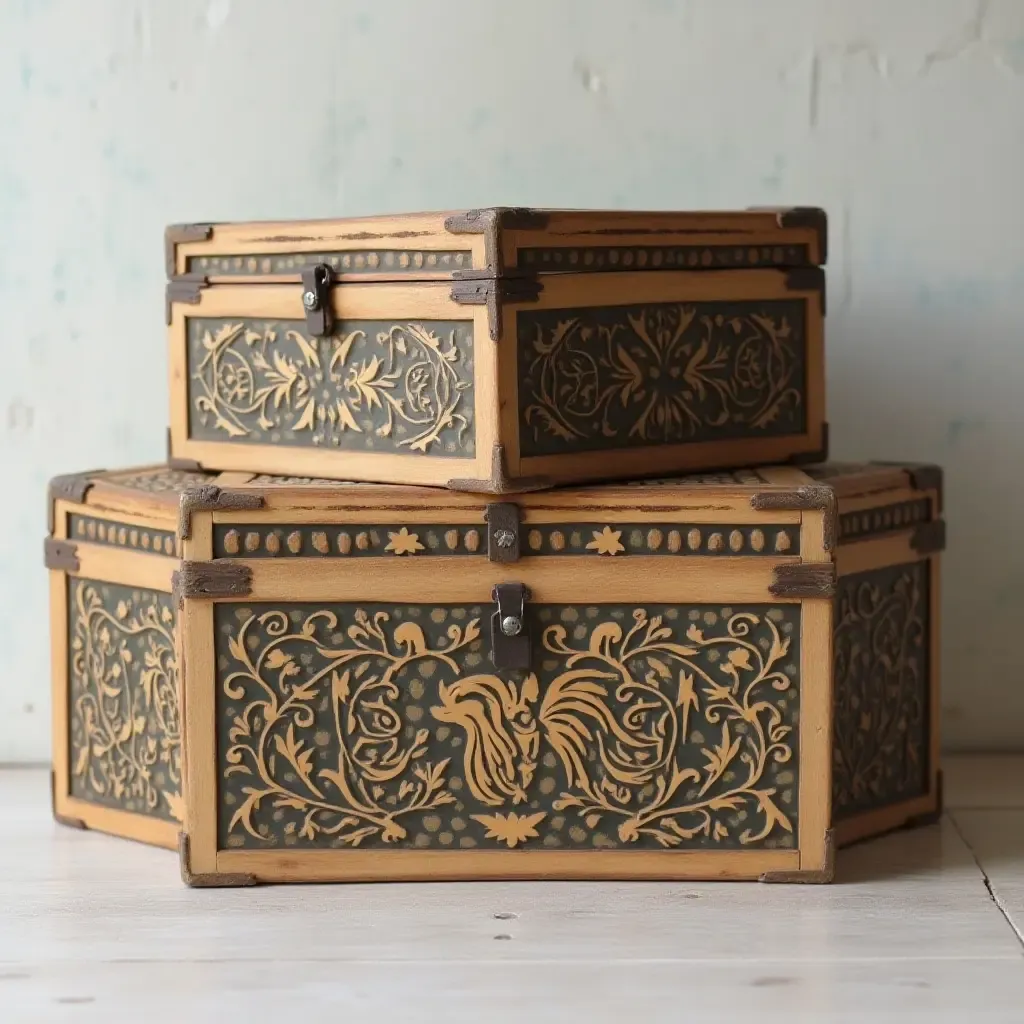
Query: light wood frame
[(642, 578)]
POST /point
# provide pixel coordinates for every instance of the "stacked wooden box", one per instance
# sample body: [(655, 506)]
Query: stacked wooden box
[(479, 625)]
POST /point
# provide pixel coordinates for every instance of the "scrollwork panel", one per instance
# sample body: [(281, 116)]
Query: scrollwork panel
[(882, 672), (377, 386), (653, 727), (665, 373), (123, 711)]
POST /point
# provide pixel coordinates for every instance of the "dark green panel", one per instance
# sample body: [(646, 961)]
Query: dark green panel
[(124, 724), (373, 386), (638, 727), (393, 262), (122, 535), (882, 712), (666, 373), (873, 522), (584, 259), (324, 541)]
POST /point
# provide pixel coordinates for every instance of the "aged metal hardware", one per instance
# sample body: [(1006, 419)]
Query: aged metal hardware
[(211, 498), (510, 637), (211, 579), (808, 498), (61, 555), (499, 481), (502, 532), (803, 579), (210, 879), (316, 299), (929, 538)]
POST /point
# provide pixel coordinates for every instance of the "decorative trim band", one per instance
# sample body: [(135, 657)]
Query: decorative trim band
[(400, 262), (597, 258), (90, 530), (875, 522)]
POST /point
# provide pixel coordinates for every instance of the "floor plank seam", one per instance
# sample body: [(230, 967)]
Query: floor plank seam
[(993, 895)]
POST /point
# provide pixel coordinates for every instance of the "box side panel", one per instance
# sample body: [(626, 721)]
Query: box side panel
[(886, 659), (654, 374), (116, 724)]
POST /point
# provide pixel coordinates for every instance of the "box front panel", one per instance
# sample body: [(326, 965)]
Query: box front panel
[(882, 726), (637, 726), (376, 386), (124, 729)]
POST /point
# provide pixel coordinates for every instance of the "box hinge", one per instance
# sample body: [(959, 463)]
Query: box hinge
[(929, 538), (808, 498), (61, 555), (510, 634), (822, 877), (211, 579), (316, 299), (187, 288), (808, 279), (803, 579), (486, 291), (211, 879), (211, 498), (503, 520)]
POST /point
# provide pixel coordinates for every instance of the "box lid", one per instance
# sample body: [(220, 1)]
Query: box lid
[(497, 242)]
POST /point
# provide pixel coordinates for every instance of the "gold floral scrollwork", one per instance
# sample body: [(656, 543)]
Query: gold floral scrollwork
[(404, 390), (349, 726), (664, 373), (880, 742), (125, 719)]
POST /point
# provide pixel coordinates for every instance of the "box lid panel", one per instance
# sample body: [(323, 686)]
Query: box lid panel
[(494, 241)]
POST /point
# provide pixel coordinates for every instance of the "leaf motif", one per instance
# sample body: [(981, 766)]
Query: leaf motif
[(403, 542), (341, 352), (660, 667), (695, 634), (606, 542), (410, 634), (345, 418), (340, 686), (604, 636), (307, 350), (740, 657), (277, 658), (175, 805), (291, 749), (308, 414), (511, 828), (593, 820), (82, 760)]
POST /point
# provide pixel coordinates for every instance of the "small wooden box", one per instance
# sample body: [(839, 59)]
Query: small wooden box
[(617, 682), (886, 645), (498, 350)]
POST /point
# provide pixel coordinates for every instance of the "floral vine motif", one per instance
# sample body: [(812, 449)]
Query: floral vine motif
[(663, 742), (126, 727), (408, 390), (659, 374), (881, 685), (639, 782), (377, 777)]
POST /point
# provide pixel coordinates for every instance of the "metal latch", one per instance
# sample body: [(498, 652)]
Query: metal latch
[(316, 299), (510, 637), (502, 532)]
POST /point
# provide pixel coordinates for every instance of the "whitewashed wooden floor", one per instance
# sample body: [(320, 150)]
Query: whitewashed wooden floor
[(920, 926)]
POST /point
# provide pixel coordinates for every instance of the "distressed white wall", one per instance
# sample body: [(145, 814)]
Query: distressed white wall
[(905, 118)]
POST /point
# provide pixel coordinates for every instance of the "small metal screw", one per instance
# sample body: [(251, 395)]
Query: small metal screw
[(511, 625), (309, 300), (504, 538)]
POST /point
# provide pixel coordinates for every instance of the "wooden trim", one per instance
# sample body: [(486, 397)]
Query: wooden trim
[(57, 802), (657, 460), (814, 876), (636, 578), (875, 553), (443, 865), (59, 686), (886, 819), (125, 824), (499, 482), (935, 682), (121, 506), (877, 499), (130, 568), (71, 488), (208, 880)]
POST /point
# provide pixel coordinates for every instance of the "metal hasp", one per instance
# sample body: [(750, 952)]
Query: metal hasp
[(510, 636), (316, 299)]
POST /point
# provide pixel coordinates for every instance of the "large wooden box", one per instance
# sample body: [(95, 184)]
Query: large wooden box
[(498, 350), (618, 682), (885, 767)]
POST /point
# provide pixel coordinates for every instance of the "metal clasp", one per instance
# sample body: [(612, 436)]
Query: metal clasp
[(316, 299), (510, 635)]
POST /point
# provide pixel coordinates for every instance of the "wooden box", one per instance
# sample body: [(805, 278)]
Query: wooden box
[(885, 767), (498, 350), (112, 551), (617, 682)]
